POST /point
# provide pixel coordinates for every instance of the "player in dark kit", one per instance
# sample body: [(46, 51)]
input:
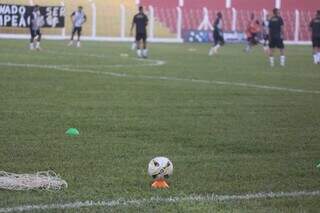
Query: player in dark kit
[(140, 21), (36, 22), (276, 37), (315, 29), (217, 34)]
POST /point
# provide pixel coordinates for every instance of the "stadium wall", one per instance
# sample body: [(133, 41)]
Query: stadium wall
[(169, 19)]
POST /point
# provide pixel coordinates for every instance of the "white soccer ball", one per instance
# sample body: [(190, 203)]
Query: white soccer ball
[(160, 167)]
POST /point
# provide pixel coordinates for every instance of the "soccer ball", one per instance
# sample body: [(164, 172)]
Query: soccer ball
[(160, 168)]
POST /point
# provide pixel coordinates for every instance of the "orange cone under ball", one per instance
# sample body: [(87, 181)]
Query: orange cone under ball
[(160, 184)]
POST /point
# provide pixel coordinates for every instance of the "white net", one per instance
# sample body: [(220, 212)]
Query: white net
[(47, 180)]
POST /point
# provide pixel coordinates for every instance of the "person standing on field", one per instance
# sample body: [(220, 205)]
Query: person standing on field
[(78, 19), (140, 22), (36, 22), (252, 32), (315, 30), (217, 34), (276, 37)]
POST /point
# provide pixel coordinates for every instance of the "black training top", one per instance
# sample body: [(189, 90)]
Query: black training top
[(315, 27), (275, 25), (217, 25), (141, 22)]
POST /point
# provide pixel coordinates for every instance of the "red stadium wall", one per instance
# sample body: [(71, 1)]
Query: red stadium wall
[(160, 3), (306, 9), (212, 4), (253, 5), (311, 5), (165, 12), (193, 12)]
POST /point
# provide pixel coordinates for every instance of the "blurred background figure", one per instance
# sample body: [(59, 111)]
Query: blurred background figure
[(217, 34), (315, 29), (78, 19), (276, 34), (252, 33), (36, 22), (265, 33), (140, 22)]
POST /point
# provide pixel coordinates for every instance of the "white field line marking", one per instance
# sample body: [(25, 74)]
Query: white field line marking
[(211, 198), (154, 63), (151, 62), (146, 77)]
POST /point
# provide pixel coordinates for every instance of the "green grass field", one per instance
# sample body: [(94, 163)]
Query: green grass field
[(231, 125)]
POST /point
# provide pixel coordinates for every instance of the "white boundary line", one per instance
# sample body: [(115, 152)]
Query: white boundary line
[(212, 198), (146, 77), (90, 38), (150, 62)]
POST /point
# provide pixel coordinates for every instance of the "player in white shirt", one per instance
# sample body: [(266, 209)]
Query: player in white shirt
[(265, 33), (78, 19), (36, 22)]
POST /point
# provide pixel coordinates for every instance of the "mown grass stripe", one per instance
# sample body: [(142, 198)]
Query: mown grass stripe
[(146, 77), (122, 202)]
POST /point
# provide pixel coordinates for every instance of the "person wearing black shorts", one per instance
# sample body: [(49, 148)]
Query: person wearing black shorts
[(140, 22), (78, 19), (217, 34), (315, 30), (36, 22), (276, 37)]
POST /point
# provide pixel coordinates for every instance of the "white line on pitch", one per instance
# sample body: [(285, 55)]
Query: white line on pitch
[(151, 62), (146, 77), (212, 198)]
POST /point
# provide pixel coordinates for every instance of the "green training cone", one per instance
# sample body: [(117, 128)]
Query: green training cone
[(72, 132), (318, 165)]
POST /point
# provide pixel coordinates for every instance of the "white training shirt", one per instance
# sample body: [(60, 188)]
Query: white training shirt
[(36, 20), (266, 26), (78, 18)]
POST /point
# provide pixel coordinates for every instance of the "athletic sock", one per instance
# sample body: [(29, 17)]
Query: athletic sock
[(315, 58), (145, 53), (215, 49), (134, 46), (211, 51), (318, 57), (32, 46), (282, 60), (78, 44), (271, 59), (248, 48), (139, 53), (38, 45), (70, 43)]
